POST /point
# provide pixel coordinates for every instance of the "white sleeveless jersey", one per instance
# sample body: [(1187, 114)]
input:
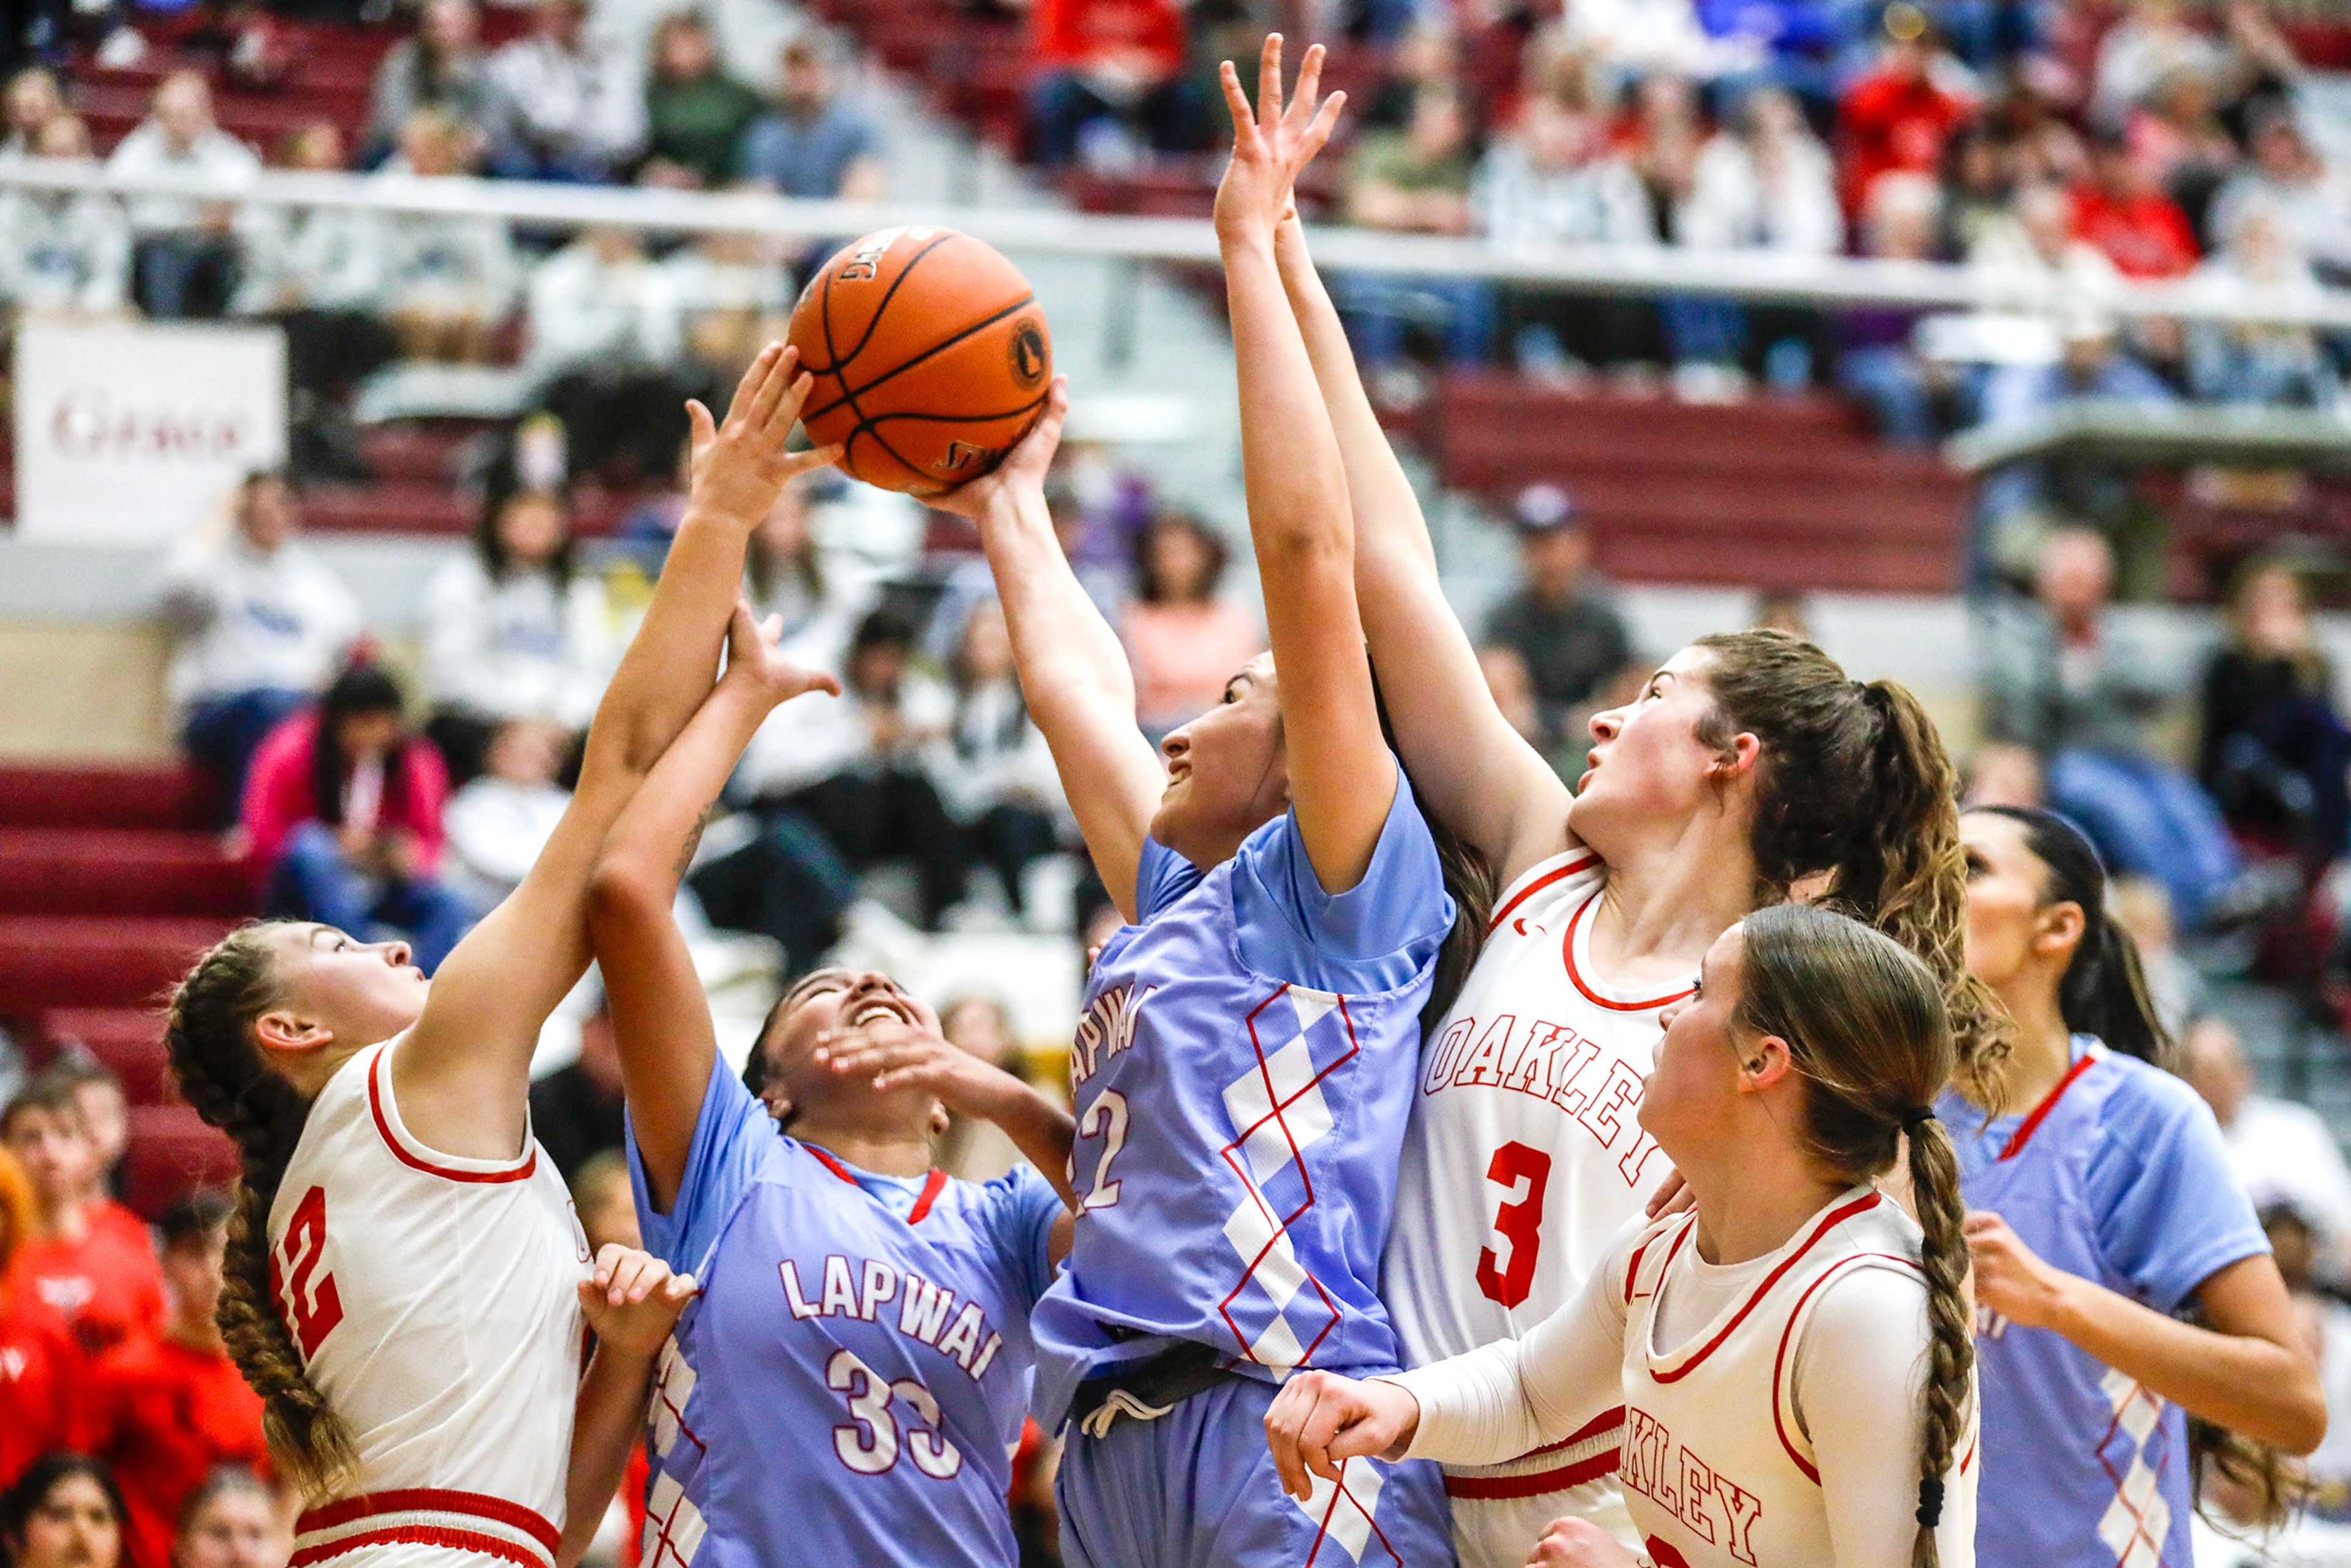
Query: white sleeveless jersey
[(1522, 1164), (1716, 1469), (434, 1302)]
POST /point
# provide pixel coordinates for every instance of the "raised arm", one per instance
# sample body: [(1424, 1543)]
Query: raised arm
[(462, 1073), (1073, 673), (660, 1019), (632, 1301), (1342, 781), (1474, 772)]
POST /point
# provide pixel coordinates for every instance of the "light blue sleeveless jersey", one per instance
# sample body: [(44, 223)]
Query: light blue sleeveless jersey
[(1238, 1132), (850, 1383), (2118, 1176)]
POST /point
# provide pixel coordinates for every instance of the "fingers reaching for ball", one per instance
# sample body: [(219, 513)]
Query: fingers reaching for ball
[(739, 466), (1021, 475)]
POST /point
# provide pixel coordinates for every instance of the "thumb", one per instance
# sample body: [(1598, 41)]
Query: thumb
[(706, 430)]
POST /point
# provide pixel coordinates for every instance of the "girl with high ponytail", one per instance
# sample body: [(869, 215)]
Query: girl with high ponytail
[(2103, 1217), (1789, 1363)]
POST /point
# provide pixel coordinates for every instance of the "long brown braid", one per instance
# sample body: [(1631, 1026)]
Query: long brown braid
[(1865, 1026), (208, 1030), (1854, 781)]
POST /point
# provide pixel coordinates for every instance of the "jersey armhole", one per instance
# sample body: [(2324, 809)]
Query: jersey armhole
[(383, 1110), (1786, 1423)]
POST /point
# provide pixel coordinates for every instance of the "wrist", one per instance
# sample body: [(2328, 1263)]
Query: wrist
[(1248, 241), (2071, 1312)]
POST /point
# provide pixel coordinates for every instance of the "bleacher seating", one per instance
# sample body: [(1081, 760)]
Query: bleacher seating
[(110, 881)]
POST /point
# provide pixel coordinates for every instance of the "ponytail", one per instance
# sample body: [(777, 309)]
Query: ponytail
[(1854, 781), (208, 1032), (1865, 1027), (2103, 989)]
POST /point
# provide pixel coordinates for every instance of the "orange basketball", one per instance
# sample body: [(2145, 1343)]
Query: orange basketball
[(930, 356)]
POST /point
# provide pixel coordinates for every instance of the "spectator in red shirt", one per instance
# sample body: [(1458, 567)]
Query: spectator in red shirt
[(1897, 116), (2121, 210), (96, 1273), (166, 1410), (232, 1521), (63, 1512), (344, 808), (1112, 64), (40, 1366)]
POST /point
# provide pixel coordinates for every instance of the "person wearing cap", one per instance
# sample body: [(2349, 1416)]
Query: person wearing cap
[(1559, 622), (564, 106), (813, 143)]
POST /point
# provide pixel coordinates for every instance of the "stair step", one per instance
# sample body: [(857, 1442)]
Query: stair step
[(96, 961), (127, 1041), (172, 1153), (118, 871), (151, 798)]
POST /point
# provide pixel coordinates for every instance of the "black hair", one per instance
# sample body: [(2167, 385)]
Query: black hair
[(191, 1221), (501, 487), (39, 1481), (2103, 989), (362, 688)]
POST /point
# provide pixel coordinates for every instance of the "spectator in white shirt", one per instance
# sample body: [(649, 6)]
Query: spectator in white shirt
[(34, 99), (564, 105), (788, 573), (840, 786), (2293, 176), (449, 281), (602, 341), (725, 296), (263, 623), (441, 66), (991, 767), (64, 252), (2154, 41), (498, 823), (512, 629), (2281, 1151), (2250, 361), (317, 272), (186, 259)]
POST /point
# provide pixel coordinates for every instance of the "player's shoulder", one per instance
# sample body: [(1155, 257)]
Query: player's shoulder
[(1635, 1258), (2143, 1100), (1548, 888)]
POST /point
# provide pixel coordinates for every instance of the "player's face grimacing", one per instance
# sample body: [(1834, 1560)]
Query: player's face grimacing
[(1648, 760), (829, 1000), (334, 990), (1227, 772)]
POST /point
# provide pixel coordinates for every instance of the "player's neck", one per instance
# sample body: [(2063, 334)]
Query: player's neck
[(1667, 903), (2042, 1051), (194, 1333), (895, 1154), (1755, 1199)]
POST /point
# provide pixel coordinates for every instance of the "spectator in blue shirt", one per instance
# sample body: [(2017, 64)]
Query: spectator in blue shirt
[(813, 144)]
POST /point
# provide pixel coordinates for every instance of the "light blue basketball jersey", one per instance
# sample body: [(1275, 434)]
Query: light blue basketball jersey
[(2118, 1176), (1238, 1131), (850, 1383)]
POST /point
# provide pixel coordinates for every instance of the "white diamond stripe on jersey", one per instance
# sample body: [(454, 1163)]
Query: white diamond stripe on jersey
[(673, 1527), (1344, 1508), (672, 1388), (2136, 1522), (1279, 1109)]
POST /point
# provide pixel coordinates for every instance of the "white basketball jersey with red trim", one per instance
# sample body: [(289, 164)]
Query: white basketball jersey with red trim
[(434, 1302), (1716, 1469), (1522, 1162)]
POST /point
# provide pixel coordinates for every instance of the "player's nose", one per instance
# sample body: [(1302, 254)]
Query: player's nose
[(397, 954)]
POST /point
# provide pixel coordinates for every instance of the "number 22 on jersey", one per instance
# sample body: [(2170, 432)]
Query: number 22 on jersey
[(1506, 1267), (313, 1306)]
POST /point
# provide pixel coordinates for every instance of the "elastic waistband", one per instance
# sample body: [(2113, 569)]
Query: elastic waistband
[(464, 1522), (1147, 1389)]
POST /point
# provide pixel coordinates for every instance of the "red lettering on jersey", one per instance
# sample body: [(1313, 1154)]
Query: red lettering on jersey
[(1563, 1093), (1605, 1115), (1698, 1490), (1518, 1222), (1483, 1065), (1665, 1556), (1666, 1472), (1532, 1064), (1741, 1509), (1449, 1051), (1629, 1167), (313, 1307)]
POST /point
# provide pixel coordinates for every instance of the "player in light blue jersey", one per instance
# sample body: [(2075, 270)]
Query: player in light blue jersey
[(1245, 1064), (2103, 1208), (850, 1383)]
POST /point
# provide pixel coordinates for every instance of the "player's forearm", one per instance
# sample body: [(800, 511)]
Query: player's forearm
[(650, 846), (668, 667), (1072, 666), (606, 1419), (1291, 464), (1042, 1130), (2249, 1384)]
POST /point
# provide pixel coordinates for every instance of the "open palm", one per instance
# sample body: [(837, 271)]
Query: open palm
[(1272, 143)]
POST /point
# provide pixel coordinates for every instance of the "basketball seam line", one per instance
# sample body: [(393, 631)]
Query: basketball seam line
[(851, 397), (840, 362), (870, 420)]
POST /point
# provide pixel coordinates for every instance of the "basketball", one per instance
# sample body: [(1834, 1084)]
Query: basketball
[(930, 356)]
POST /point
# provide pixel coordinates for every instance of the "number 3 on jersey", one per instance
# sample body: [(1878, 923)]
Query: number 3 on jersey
[(871, 1442), (1522, 1172), (313, 1307)]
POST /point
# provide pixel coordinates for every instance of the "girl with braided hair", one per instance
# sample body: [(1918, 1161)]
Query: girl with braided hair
[(405, 1280), (2100, 1214), (1748, 763), (1792, 1356)]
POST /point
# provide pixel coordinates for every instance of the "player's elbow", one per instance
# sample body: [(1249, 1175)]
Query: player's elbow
[(624, 889), (2301, 1412)]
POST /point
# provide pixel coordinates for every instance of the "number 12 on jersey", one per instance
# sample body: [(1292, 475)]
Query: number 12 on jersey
[(1522, 1172)]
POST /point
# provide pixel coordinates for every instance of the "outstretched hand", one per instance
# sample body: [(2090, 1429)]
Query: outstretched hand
[(739, 468), (1023, 468), (1270, 143), (755, 663), (632, 1300)]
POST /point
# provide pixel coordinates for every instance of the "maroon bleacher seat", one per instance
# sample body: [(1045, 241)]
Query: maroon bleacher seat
[(90, 960), (126, 1041), (102, 796), (172, 1153), (118, 871)]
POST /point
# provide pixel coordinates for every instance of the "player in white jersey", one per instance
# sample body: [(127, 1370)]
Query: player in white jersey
[(405, 1275), (1750, 762), (1790, 1361)]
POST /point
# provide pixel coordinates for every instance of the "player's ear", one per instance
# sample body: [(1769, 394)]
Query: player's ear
[(282, 1030), (939, 1123), (1763, 1062)]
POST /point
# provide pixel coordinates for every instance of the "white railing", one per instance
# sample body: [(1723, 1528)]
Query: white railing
[(1613, 269)]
